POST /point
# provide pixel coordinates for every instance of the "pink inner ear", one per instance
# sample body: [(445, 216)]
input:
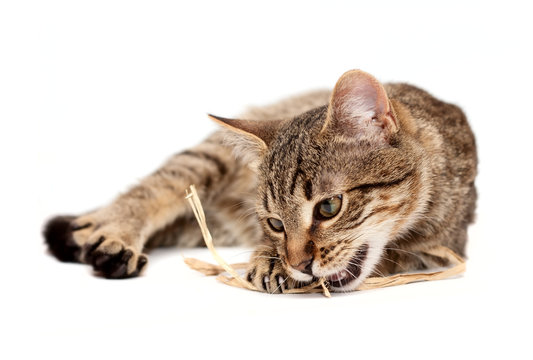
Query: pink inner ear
[(358, 95), (359, 109)]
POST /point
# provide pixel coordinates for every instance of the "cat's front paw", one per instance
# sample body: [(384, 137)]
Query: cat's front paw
[(112, 258), (266, 272), (111, 247)]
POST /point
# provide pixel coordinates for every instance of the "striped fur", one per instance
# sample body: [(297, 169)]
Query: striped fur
[(404, 165)]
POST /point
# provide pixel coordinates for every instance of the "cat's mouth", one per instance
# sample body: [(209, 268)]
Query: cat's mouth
[(352, 272)]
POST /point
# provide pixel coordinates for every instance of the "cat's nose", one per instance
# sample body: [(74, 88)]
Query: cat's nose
[(300, 255), (304, 266)]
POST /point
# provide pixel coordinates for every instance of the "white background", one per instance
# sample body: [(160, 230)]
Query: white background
[(96, 94)]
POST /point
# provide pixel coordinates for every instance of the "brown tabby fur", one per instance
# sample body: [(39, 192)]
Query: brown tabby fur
[(406, 177)]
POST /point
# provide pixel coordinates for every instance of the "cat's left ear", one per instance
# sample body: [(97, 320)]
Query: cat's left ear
[(249, 138), (359, 108)]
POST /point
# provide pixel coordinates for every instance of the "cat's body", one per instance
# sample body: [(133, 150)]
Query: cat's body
[(343, 185)]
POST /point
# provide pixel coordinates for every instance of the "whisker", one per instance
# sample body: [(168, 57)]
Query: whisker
[(394, 262), (418, 256), (268, 257), (281, 283)]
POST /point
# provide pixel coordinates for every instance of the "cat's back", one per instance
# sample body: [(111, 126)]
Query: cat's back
[(443, 121), (448, 146)]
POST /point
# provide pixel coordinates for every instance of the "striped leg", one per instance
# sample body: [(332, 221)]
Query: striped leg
[(112, 238)]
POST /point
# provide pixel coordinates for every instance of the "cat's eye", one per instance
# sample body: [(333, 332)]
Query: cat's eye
[(275, 224), (328, 208)]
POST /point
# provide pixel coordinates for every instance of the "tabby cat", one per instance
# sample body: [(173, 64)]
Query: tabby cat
[(342, 185)]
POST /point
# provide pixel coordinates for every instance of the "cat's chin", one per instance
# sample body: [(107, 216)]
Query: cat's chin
[(350, 277), (358, 269)]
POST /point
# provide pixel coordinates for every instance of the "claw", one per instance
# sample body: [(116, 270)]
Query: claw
[(76, 227), (281, 283), (143, 260), (119, 272), (99, 261), (266, 283), (91, 248)]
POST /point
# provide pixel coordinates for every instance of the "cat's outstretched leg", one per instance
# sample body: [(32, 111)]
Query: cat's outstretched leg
[(112, 238)]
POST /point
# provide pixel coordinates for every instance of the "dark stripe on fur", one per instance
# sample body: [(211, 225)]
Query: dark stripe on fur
[(297, 173), (271, 188), (265, 202), (222, 168), (381, 184), (354, 214), (378, 210), (208, 182), (392, 208), (308, 189), (192, 170)]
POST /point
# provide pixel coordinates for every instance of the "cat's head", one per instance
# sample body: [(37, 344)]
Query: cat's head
[(335, 184)]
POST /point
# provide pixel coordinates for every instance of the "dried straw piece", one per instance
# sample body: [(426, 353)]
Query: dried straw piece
[(209, 269), (317, 286), (401, 279), (194, 201)]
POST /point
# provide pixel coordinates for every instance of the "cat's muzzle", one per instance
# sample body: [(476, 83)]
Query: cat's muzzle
[(352, 272)]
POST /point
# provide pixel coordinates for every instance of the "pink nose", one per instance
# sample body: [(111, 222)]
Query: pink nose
[(304, 266)]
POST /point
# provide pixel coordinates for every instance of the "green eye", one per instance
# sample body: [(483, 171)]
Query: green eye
[(329, 208), (275, 224)]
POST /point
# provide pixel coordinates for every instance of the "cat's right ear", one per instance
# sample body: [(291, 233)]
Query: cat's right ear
[(360, 109), (249, 138)]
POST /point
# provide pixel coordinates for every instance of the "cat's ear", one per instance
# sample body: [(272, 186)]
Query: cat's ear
[(249, 138), (260, 131), (359, 108)]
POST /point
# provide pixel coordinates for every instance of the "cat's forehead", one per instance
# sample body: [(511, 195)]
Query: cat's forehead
[(298, 136), (295, 152), (299, 164), (304, 165)]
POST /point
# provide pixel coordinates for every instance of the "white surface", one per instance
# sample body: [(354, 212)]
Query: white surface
[(95, 95)]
